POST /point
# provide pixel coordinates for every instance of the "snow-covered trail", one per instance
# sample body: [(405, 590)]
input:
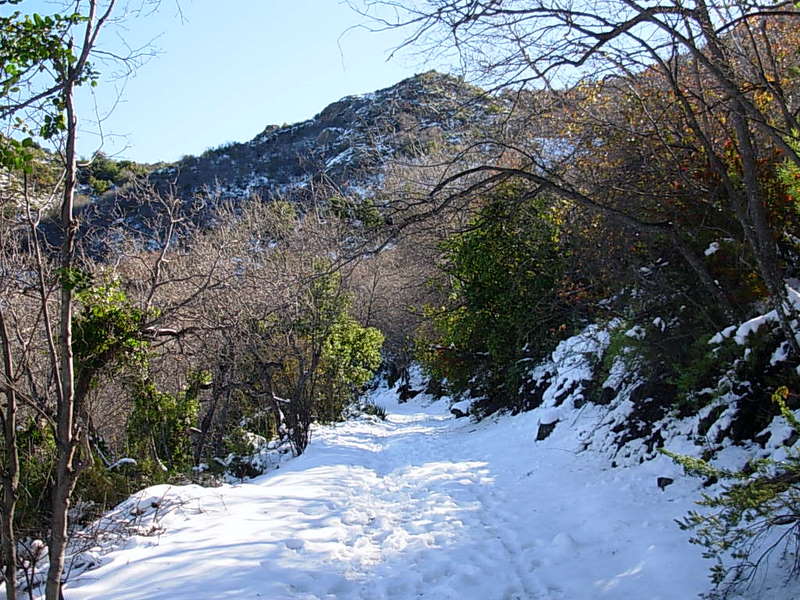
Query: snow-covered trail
[(419, 506)]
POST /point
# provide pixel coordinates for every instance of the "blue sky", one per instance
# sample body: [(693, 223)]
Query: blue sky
[(225, 70)]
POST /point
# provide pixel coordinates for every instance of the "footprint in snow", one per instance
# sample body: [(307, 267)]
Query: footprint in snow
[(564, 543), (314, 510), (294, 544)]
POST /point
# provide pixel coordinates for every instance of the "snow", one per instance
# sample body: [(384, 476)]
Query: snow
[(752, 326), (570, 366), (421, 505), (721, 336), (793, 296), (780, 355), (743, 331), (425, 505), (636, 332), (121, 462), (340, 158), (461, 406), (548, 416)]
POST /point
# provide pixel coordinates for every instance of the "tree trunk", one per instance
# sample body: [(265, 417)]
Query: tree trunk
[(11, 471), (699, 268), (66, 438), (755, 222)]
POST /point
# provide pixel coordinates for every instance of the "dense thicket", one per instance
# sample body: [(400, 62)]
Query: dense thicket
[(666, 134), (185, 356)]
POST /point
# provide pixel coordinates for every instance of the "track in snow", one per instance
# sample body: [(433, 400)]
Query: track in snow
[(419, 506)]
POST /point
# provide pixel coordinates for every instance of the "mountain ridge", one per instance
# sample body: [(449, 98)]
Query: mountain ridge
[(344, 149), (346, 144)]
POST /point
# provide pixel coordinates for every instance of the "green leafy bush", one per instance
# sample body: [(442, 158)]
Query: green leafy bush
[(350, 209), (158, 427), (699, 368), (240, 445), (99, 186), (312, 354), (98, 487), (350, 356), (501, 278), (107, 328), (37, 460), (756, 513), (102, 172), (374, 410), (620, 345)]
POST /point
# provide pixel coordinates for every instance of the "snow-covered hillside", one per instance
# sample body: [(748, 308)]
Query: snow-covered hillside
[(422, 505), (346, 148), (348, 143)]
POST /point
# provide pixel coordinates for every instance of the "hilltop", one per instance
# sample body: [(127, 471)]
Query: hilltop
[(346, 144), (343, 150)]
